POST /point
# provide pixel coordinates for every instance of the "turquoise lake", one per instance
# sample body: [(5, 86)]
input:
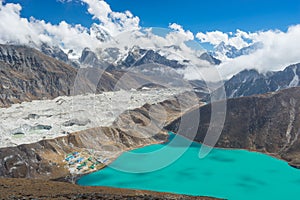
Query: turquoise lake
[(229, 174)]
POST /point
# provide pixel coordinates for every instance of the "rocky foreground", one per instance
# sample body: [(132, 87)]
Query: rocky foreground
[(43, 190)]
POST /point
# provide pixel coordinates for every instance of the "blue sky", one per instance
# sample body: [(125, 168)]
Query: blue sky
[(195, 15)]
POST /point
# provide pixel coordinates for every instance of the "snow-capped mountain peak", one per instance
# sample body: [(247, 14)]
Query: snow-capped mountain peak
[(100, 33), (225, 51)]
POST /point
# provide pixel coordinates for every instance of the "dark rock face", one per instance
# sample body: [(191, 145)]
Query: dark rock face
[(267, 123), (250, 82), (209, 58), (153, 57), (54, 52), (246, 83), (133, 56), (89, 58), (137, 57), (58, 54)]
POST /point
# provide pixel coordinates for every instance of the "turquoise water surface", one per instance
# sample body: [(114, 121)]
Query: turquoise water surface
[(229, 174)]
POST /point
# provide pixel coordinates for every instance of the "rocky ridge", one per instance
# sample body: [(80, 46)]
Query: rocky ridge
[(251, 82), (267, 123)]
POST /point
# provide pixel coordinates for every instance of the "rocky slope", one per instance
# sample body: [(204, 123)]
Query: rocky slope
[(27, 74), (268, 123)]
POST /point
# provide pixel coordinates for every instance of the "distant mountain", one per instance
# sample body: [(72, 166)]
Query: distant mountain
[(209, 58), (54, 52), (151, 56), (250, 82), (137, 56), (58, 53), (223, 51), (245, 83), (117, 59), (134, 54), (115, 56), (110, 55)]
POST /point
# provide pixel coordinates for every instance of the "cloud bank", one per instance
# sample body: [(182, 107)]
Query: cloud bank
[(279, 50), (17, 30), (111, 29), (113, 22)]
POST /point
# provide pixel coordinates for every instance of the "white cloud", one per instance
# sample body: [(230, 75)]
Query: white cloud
[(185, 35), (236, 39), (178, 36), (15, 29), (113, 22), (213, 37)]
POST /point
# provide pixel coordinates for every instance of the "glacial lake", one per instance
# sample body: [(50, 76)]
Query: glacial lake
[(229, 174)]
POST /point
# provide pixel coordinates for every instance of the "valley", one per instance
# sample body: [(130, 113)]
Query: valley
[(92, 101)]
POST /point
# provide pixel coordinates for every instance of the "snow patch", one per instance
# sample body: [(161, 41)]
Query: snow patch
[(295, 81)]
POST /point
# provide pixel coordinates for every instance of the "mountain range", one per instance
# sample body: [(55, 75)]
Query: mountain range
[(251, 82), (23, 73)]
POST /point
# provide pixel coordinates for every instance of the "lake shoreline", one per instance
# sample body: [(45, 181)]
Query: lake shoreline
[(229, 161), (273, 155)]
